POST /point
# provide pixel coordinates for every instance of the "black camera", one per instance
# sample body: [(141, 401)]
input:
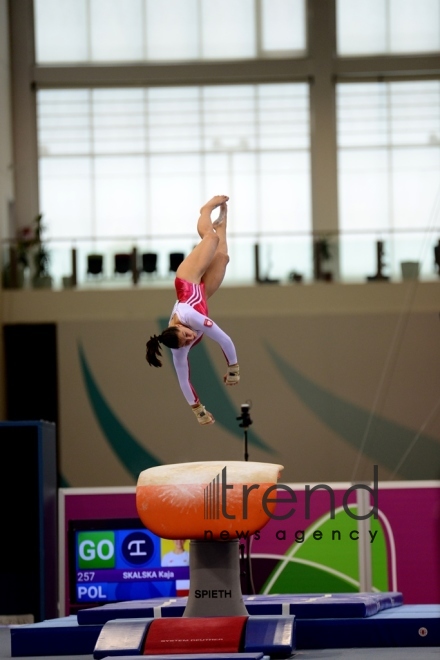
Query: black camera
[(245, 417)]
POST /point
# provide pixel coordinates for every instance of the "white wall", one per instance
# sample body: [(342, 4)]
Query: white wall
[(354, 365)]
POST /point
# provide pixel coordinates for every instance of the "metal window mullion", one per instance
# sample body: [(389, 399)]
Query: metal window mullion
[(199, 30), (144, 30), (257, 161), (147, 156), (389, 129), (387, 26), (230, 177), (438, 114), (203, 149), (89, 31), (92, 165), (258, 13)]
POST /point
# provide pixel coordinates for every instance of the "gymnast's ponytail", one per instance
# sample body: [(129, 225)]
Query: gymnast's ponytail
[(169, 337)]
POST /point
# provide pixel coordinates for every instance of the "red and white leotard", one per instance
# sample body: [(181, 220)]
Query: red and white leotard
[(191, 309)]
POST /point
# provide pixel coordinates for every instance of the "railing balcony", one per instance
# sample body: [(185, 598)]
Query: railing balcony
[(351, 257)]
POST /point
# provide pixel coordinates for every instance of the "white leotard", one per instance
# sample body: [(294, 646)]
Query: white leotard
[(201, 324)]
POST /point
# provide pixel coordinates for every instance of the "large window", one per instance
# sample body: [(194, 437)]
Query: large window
[(148, 107), (371, 27), (389, 171), (130, 164), (124, 31)]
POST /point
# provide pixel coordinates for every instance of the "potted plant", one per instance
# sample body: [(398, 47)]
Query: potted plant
[(14, 271), (41, 278), (321, 254)]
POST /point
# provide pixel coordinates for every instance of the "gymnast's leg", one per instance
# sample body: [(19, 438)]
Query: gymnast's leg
[(193, 268), (215, 273)]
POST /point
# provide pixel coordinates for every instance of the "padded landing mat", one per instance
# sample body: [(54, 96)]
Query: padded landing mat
[(304, 606), (404, 626), (54, 637), (324, 606), (151, 608), (409, 625), (195, 635)]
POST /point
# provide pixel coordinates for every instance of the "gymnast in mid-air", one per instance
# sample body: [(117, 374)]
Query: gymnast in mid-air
[(197, 278)]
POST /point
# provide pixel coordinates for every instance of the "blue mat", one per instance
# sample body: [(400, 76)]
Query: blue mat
[(150, 608), (304, 606), (55, 637), (122, 637), (324, 606), (404, 626), (409, 625), (274, 635)]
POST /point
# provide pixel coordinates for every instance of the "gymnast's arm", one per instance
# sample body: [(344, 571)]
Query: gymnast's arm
[(181, 365), (204, 324)]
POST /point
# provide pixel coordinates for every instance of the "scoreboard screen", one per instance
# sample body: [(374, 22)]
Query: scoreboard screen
[(118, 559)]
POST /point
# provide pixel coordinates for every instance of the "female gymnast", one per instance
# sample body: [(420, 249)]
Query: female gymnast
[(197, 278)]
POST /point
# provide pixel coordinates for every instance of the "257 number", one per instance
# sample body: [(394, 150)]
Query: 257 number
[(86, 576)]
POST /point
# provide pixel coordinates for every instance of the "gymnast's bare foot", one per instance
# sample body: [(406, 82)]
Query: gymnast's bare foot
[(213, 203), (222, 216)]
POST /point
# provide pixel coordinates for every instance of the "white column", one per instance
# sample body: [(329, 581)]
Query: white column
[(322, 50), (24, 121), (6, 177)]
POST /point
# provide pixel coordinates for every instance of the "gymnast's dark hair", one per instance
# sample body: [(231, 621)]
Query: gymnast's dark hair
[(169, 337)]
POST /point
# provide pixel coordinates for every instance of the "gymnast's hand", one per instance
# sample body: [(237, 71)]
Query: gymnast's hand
[(202, 415), (232, 375)]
